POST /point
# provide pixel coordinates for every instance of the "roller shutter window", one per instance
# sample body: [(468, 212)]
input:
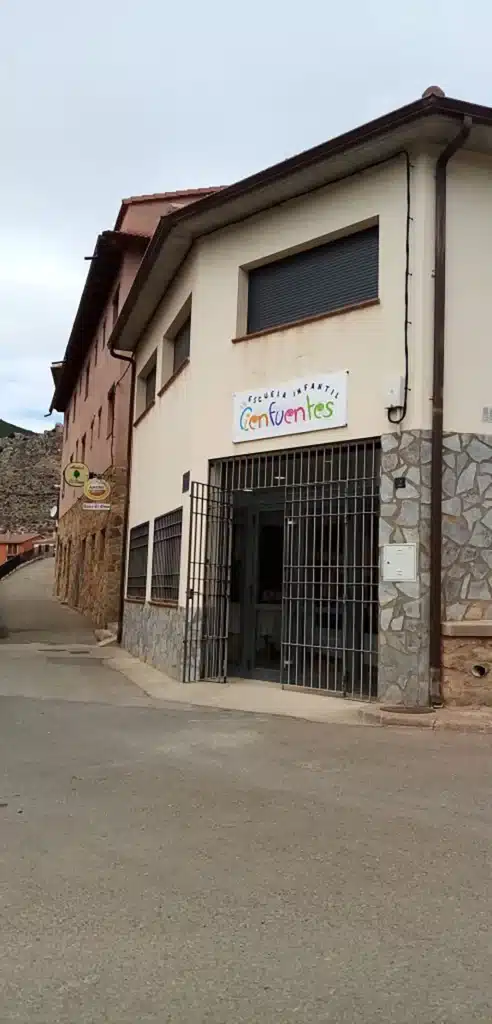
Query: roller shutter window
[(316, 281)]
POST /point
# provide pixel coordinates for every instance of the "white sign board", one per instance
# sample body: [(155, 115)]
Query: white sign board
[(399, 563), (295, 407), (96, 506)]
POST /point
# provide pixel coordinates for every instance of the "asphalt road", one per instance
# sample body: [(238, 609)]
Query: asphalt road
[(183, 866)]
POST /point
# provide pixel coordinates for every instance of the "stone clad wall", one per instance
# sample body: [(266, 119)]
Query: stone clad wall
[(404, 607), (467, 567), (467, 527), (90, 580), (155, 634)]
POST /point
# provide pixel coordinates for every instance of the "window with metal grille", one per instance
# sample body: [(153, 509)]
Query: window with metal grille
[(138, 550), (332, 276), (167, 556), (181, 342)]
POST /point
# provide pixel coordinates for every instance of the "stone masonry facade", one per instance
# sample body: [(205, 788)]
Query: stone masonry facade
[(89, 555), (467, 568), (404, 607), (155, 633)]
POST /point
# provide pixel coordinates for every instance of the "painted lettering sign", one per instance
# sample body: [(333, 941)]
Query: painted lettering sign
[(297, 407)]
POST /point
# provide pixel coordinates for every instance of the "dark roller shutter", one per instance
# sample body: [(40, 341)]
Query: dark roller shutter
[(315, 281)]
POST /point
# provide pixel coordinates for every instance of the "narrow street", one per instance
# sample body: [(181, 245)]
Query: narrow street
[(194, 866)]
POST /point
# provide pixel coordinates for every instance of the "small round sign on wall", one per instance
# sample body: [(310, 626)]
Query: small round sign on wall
[(76, 474), (97, 489)]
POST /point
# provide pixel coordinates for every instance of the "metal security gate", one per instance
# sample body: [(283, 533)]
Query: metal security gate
[(330, 570), (208, 584), (330, 588)]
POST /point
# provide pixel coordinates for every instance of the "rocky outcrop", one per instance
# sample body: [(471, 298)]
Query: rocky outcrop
[(29, 480)]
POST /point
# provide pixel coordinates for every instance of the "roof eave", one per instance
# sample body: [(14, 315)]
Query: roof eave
[(104, 267)]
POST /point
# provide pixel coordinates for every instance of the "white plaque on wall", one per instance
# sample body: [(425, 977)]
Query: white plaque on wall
[(318, 402), (399, 563)]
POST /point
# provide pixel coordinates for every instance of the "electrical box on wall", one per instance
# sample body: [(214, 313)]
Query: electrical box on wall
[(399, 563), (394, 395)]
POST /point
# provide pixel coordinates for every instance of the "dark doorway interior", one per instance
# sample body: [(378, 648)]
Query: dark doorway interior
[(256, 586)]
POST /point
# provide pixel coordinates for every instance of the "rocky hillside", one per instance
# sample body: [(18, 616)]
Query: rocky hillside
[(29, 480), (9, 428)]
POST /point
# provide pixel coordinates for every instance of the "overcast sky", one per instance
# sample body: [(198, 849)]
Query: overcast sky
[(102, 99)]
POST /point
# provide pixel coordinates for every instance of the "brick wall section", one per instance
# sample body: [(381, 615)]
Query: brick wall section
[(88, 576)]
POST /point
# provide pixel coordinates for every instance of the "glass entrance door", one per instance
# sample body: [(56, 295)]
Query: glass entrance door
[(256, 589)]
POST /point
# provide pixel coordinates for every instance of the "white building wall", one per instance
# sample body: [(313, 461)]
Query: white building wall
[(192, 421), (468, 363)]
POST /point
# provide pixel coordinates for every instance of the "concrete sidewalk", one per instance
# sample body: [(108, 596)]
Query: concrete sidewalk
[(235, 695), (269, 699)]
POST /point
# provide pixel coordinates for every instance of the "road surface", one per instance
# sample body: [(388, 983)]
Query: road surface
[(178, 865)]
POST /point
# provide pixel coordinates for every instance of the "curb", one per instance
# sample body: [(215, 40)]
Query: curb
[(433, 720)]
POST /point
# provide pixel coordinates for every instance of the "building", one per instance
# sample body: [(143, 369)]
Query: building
[(22, 544), (311, 477), (92, 389)]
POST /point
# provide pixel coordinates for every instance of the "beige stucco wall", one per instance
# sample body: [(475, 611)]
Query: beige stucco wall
[(192, 421), (468, 378)]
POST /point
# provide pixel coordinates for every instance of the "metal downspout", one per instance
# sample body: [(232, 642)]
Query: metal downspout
[(435, 596), (126, 508)]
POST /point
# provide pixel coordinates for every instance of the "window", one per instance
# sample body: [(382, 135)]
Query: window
[(11, 550), (110, 411), (82, 448), (166, 556), (96, 344), (87, 369), (99, 420), (138, 550), (181, 343), (115, 305), (67, 421), (103, 333), (146, 386), (332, 276), (74, 407), (77, 451), (150, 387), (92, 431)]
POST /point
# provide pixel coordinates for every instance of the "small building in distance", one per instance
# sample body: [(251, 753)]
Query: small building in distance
[(13, 544)]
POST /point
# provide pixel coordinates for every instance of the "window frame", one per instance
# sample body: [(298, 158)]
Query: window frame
[(111, 411), (138, 540), (313, 297), (115, 305), (183, 331), (145, 398), (166, 557)]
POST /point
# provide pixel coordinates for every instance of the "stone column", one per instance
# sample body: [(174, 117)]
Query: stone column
[(467, 568), (403, 676)]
